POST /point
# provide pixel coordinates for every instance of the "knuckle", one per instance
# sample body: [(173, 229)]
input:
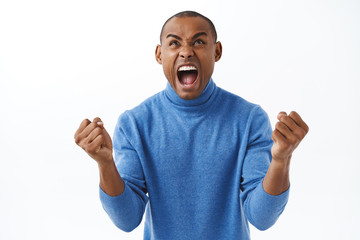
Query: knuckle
[(95, 133), (283, 142), (89, 149), (284, 118), (98, 130), (278, 133), (77, 139), (287, 118), (101, 138), (293, 113), (306, 128), (274, 133), (93, 125), (285, 145), (86, 121), (96, 119), (293, 140), (273, 136), (282, 146), (302, 133)]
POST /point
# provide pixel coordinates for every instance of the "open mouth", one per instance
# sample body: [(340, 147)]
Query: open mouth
[(187, 74)]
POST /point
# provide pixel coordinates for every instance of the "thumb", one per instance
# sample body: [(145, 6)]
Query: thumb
[(280, 114), (107, 139), (98, 121)]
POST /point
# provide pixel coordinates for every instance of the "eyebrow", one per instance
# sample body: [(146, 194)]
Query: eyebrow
[(195, 36), (174, 36), (199, 34)]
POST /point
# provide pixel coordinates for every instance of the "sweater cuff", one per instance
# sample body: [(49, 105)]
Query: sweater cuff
[(275, 200), (122, 209), (272, 204), (267, 208), (108, 200)]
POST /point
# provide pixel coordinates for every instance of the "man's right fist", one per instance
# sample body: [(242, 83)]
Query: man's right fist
[(94, 139)]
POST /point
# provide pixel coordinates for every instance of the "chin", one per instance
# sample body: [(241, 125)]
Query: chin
[(188, 96)]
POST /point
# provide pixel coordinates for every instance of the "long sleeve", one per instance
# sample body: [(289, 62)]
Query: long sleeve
[(126, 210), (197, 167), (261, 209)]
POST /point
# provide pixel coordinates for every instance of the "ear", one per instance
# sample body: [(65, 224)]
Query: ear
[(218, 51), (158, 54)]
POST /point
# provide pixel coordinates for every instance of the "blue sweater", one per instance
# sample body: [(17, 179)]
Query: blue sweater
[(195, 166)]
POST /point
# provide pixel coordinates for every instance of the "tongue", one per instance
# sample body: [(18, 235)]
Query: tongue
[(188, 77)]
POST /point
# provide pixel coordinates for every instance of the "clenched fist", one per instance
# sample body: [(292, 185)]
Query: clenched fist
[(94, 139), (288, 133)]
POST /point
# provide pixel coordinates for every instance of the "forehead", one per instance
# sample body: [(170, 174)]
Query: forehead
[(186, 27)]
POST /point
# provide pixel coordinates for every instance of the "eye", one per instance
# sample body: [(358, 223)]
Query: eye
[(198, 42), (174, 43)]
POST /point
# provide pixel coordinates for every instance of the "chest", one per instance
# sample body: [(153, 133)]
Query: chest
[(200, 147)]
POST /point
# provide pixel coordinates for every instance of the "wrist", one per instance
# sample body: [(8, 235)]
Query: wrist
[(281, 169), (110, 180), (277, 179), (106, 164), (281, 162)]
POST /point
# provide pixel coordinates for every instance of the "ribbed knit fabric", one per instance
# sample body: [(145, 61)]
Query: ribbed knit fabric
[(195, 166)]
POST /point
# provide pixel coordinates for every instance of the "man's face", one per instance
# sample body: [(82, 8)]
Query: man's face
[(188, 54)]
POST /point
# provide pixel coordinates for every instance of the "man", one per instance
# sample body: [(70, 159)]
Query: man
[(199, 159)]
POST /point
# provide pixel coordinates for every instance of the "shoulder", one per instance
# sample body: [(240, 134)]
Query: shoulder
[(244, 113), (249, 116), (142, 112), (236, 103)]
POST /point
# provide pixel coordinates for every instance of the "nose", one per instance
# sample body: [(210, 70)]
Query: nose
[(186, 52)]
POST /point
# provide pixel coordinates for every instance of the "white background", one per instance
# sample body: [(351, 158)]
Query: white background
[(63, 61)]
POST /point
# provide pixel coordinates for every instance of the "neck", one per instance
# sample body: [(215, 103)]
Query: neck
[(200, 100)]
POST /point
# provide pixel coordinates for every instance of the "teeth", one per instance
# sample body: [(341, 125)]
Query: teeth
[(187, 68)]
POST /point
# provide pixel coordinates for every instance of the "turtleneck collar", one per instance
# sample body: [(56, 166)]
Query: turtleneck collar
[(204, 97)]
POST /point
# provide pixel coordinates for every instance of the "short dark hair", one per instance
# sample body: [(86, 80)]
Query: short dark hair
[(191, 14)]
